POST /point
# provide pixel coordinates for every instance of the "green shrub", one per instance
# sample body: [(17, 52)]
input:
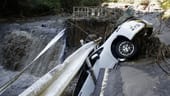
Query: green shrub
[(166, 4)]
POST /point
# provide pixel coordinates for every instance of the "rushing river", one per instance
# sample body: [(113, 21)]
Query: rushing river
[(21, 41)]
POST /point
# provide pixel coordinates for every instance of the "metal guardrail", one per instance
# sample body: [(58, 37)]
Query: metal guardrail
[(55, 81), (90, 12)]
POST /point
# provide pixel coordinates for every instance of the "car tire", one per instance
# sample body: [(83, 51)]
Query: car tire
[(125, 49)]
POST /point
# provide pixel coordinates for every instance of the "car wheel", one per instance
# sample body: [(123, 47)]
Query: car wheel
[(125, 49)]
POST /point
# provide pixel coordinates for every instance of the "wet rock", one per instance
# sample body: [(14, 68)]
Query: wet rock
[(43, 25)]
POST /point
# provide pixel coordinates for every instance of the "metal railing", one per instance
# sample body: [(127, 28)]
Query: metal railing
[(90, 12)]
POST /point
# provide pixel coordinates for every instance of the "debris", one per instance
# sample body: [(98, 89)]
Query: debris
[(153, 47)]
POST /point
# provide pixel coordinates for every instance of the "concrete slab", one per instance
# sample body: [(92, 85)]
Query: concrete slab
[(137, 82), (137, 78)]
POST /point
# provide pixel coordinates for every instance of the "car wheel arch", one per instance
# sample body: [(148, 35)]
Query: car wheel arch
[(118, 39)]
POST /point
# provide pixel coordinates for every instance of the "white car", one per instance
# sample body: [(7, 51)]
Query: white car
[(124, 44), (120, 44)]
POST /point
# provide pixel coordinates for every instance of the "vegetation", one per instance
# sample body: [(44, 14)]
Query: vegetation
[(41, 7), (166, 6), (28, 7)]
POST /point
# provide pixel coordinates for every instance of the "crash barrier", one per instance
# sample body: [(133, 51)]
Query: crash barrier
[(50, 44), (89, 12), (102, 81), (55, 81)]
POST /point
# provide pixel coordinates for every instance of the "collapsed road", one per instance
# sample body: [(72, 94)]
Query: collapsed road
[(135, 78)]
